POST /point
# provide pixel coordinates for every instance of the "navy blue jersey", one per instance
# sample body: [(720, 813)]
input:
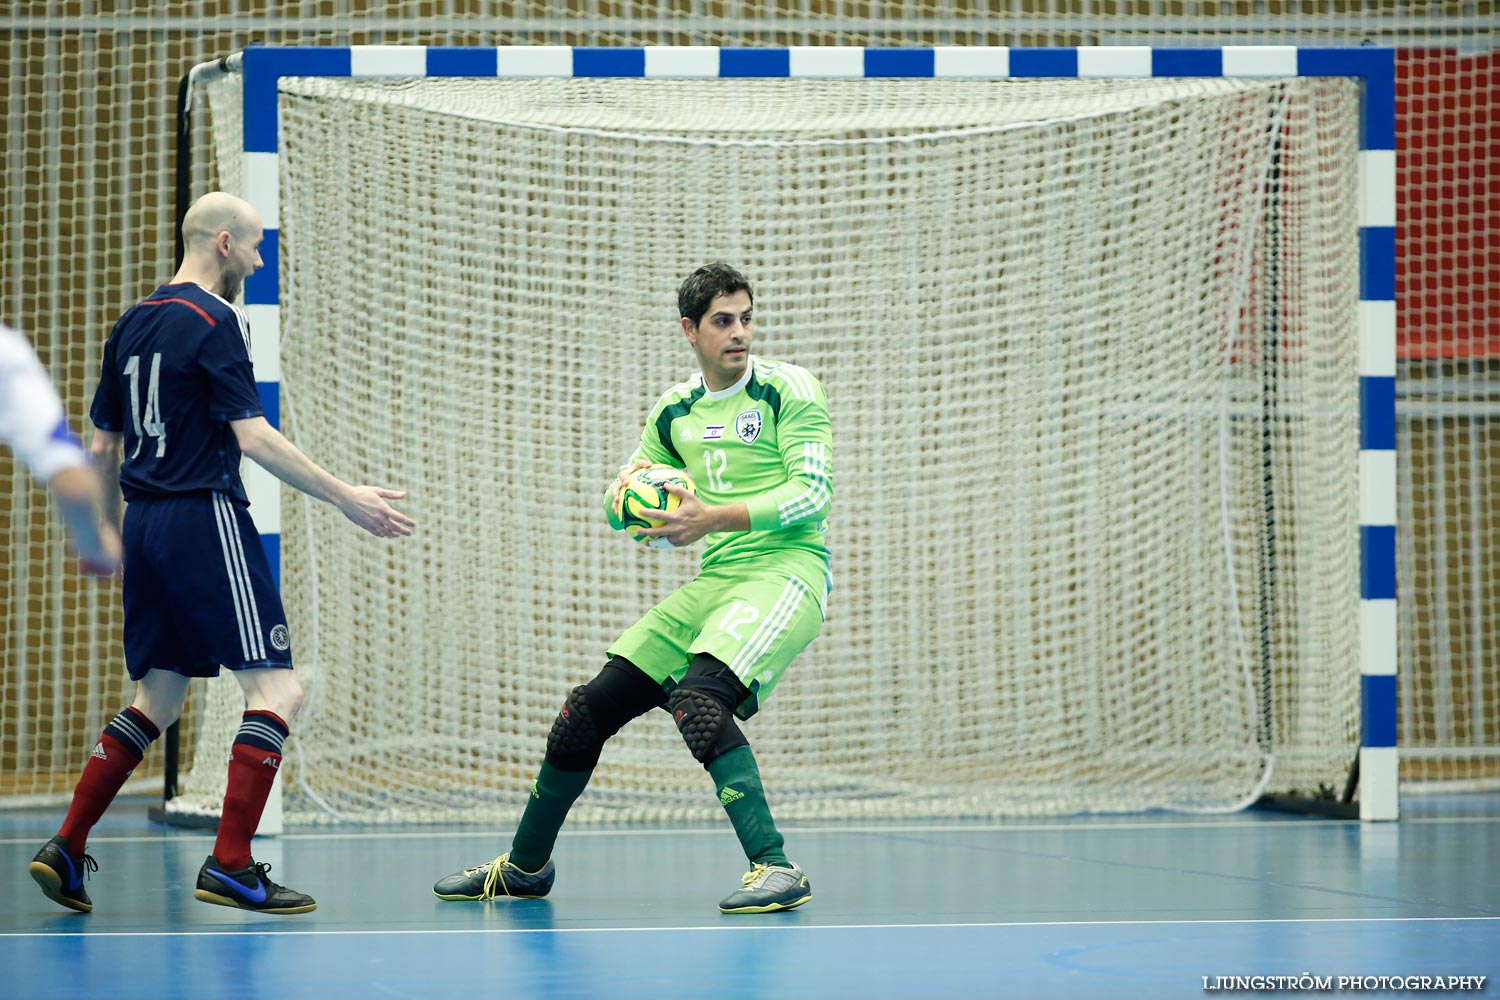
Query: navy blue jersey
[(176, 371)]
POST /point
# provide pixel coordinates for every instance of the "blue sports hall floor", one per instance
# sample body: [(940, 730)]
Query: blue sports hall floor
[(1124, 906)]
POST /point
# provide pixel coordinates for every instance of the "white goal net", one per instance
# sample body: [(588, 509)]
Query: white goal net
[(1090, 352)]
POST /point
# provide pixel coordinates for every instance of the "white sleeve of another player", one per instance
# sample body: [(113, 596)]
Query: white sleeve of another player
[(32, 421)]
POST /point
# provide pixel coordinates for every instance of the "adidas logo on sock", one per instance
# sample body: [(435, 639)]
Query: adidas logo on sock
[(729, 795), (99, 751)]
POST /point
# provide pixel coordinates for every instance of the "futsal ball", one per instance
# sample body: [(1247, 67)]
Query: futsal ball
[(646, 491)]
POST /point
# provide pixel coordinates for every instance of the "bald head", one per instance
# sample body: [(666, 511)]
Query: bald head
[(216, 213), (221, 237)]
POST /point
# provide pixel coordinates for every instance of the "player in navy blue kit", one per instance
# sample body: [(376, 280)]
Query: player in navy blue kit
[(177, 393)]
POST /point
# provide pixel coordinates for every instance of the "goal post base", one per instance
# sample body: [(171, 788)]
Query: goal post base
[(1323, 802), (1310, 805), (164, 816)]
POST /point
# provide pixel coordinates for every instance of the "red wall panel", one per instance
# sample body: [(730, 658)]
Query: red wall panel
[(1447, 205)]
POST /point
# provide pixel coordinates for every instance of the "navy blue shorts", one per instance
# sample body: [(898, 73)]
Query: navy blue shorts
[(198, 589)]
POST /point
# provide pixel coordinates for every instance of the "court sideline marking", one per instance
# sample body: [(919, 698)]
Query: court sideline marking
[(407, 932), (167, 833)]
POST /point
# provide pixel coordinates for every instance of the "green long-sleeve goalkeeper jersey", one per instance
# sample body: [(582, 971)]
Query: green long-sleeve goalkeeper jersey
[(766, 442)]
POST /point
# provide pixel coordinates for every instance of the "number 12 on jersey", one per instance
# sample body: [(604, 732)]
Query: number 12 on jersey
[(715, 464)]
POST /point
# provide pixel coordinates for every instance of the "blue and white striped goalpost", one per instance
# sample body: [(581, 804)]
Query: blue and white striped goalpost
[(262, 68)]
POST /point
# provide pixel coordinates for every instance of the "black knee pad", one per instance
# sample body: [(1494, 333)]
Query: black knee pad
[(597, 710), (574, 743), (705, 724)]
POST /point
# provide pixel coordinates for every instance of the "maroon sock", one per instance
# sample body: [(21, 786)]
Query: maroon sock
[(119, 749), (253, 762)]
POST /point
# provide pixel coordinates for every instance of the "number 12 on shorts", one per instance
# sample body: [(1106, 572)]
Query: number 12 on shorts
[(737, 617)]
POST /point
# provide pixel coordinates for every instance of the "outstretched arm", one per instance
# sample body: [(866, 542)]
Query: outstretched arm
[(364, 505)]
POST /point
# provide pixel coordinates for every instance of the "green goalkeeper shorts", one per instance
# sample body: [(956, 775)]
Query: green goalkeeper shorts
[(757, 624)]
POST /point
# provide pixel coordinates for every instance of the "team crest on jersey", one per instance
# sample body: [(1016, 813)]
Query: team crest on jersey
[(279, 638), (747, 426)]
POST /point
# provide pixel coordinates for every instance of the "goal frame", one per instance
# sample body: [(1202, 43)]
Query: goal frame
[(1376, 768)]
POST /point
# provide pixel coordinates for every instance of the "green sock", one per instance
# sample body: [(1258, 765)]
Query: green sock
[(552, 795), (738, 782)]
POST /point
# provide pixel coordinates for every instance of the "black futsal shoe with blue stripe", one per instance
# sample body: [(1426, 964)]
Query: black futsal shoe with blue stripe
[(248, 889), (61, 875)]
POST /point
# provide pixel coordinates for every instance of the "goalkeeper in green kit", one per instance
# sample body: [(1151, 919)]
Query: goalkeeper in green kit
[(756, 437)]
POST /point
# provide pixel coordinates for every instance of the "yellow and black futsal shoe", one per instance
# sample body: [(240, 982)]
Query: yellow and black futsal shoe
[(496, 878), (61, 875), (767, 888)]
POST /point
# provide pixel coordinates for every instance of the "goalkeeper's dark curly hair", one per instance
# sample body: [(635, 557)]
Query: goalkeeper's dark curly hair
[(699, 289)]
